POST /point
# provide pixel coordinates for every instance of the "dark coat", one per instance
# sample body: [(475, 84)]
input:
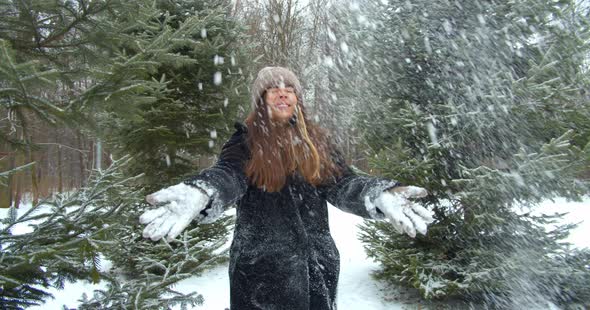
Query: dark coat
[(282, 255)]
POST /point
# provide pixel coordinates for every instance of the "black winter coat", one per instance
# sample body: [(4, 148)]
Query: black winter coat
[(282, 255)]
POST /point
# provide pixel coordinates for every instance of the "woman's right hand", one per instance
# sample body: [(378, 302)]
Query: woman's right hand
[(181, 204)]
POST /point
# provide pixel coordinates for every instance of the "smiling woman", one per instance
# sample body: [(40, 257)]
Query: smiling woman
[(292, 142), (281, 102), (280, 169)]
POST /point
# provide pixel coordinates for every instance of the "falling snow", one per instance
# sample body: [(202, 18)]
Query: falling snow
[(217, 78)]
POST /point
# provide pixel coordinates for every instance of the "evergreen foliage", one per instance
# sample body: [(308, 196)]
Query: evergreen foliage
[(203, 76), (21, 82), (57, 69), (483, 104), (5, 174), (70, 238), (191, 48), (145, 76), (55, 63)]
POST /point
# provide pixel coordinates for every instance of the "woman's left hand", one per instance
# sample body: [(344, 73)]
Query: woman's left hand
[(405, 215)]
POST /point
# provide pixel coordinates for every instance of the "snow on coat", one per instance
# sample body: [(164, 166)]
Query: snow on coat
[(282, 255)]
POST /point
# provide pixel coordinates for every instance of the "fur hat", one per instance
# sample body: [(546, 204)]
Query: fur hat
[(269, 77)]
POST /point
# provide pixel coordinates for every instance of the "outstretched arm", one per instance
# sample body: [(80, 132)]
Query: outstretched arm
[(355, 193), (378, 198), (225, 182), (202, 197)]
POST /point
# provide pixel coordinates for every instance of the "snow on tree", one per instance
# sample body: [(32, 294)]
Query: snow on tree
[(485, 105), (192, 49), (59, 67), (71, 235), (161, 81)]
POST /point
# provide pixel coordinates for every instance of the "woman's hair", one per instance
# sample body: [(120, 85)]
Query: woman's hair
[(280, 149)]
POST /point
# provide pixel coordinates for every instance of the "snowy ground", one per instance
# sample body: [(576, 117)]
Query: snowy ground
[(357, 290)]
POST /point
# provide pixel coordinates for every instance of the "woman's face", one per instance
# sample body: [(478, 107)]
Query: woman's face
[(280, 103)]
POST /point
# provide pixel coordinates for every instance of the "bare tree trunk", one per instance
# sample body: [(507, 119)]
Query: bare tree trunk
[(30, 157), (236, 9), (16, 182), (7, 192), (59, 167), (34, 180), (18, 189), (98, 156), (81, 165)]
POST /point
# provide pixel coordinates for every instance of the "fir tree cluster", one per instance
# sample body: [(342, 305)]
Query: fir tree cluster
[(159, 83), (483, 103), (476, 102)]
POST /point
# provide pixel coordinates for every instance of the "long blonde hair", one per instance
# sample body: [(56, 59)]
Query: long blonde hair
[(279, 150)]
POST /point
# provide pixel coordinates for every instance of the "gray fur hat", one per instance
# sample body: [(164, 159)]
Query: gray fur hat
[(269, 77)]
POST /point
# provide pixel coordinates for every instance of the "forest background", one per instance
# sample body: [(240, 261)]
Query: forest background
[(485, 104)]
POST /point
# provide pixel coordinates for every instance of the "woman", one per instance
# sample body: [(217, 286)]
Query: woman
[(280, 169)]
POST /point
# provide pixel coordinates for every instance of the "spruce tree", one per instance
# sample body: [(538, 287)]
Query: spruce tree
[(70, 237), (483, 104), (151, 78), (60, 66), (192, 45)]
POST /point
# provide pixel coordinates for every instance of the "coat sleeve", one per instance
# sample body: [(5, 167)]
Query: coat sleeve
[(354, 193), (225, 182)]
